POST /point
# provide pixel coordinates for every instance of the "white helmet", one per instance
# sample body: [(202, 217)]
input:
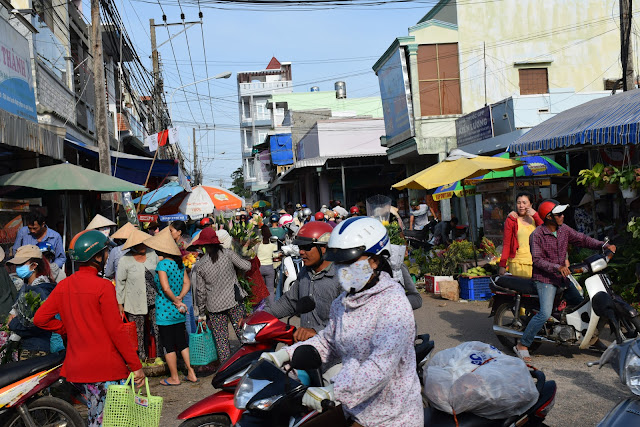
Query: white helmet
[(285, 219), (306, 213), (357, 236)]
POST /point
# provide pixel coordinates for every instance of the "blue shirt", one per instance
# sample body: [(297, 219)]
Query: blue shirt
[(166, 311), (51, 236), (112, 262)]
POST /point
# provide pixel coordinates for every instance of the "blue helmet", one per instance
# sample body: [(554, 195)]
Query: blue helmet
[(45, 247), (274, 218)]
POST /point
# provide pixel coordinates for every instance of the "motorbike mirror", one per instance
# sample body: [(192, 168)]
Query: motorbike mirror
[(305, 305), (306, 358)]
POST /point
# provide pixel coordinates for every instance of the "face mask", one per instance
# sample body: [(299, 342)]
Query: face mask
[(355, 276), (24, 271)]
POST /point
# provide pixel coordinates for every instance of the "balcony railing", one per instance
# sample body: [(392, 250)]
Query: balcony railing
[(265, 87)]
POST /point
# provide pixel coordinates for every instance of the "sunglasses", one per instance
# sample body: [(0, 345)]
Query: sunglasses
[(306, 248)]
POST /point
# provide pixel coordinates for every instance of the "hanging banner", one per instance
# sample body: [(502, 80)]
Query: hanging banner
[(161, 139), (174, 217), (183, 181), (16, 79)]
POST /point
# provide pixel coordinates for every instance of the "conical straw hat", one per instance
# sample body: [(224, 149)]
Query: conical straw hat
[(124, 232), (135, 238), (163, 242), (99, 221)]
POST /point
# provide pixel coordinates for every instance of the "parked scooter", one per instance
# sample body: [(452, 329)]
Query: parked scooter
[(271, 398), (516, 301), (260, 332), (22, 398), (289, 269), (625, 360)]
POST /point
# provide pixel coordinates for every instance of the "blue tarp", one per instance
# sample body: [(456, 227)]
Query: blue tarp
[(613, 120), (129, 167), (281, 152)]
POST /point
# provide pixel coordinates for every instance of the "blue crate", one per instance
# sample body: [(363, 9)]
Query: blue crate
[(475, 288)]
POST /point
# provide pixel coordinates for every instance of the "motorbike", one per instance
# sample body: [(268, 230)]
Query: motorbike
[(270, 397), (515, 302), (260, 332), (625, 360), (289, 269), (24, 400)]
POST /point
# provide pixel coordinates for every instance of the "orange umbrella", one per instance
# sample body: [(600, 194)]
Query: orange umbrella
[(201, 201)]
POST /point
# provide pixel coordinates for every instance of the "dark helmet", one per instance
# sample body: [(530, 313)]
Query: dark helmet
[(274, 218), (86, 244), (414, 202), (316, 233)]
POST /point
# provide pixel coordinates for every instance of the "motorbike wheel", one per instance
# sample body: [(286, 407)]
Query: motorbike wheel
[(504, 317), (48, 411), (208, 421)]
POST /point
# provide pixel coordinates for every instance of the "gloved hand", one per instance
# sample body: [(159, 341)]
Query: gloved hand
[(314, 396), (278, 358)]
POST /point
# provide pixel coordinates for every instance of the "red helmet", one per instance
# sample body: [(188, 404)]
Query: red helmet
[(206, 221), (315, 232), (354, 210), (319, 216), (550, 206)]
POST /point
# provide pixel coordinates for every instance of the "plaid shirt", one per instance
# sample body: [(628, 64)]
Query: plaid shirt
[(549, 252)]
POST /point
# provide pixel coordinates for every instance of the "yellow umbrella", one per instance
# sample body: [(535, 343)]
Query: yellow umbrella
[(458, 165)]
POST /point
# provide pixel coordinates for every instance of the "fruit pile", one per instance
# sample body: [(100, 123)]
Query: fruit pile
[(188, 260), (476, 271)]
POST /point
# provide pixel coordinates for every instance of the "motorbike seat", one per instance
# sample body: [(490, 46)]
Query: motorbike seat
[(13, 372), (515, 284), (435, 418)]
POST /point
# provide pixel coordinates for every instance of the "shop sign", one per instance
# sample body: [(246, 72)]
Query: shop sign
[(395, 92), (532, 183), (474, 127), (16, 81), (147, 218)]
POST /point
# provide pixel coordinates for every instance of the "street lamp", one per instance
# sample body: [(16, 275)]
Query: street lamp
[(224, 75)]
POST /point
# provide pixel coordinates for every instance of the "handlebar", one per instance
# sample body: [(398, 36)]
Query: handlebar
[(327, 404), (585, 266)]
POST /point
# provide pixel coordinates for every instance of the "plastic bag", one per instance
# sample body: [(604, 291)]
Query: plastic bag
[(477, 377)]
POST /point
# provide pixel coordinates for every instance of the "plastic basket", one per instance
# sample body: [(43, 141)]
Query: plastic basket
[(124, 408), (475, 288), (202, 348)]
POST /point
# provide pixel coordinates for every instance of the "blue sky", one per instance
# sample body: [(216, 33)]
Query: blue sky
[(324, 46)]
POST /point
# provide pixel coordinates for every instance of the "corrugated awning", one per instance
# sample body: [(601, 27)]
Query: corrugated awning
[(613, 120)]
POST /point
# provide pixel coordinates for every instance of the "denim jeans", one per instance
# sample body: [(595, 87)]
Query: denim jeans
[(547, 294)]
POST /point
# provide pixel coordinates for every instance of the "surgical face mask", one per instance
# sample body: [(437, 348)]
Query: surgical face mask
[(355, 276), (24, 271)]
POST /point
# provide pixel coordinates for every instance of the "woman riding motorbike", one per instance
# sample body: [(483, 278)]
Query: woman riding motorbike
[(371, 330)]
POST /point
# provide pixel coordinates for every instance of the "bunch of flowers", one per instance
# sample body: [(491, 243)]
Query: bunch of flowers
[(245, 234), (488, 247), (189, 259)]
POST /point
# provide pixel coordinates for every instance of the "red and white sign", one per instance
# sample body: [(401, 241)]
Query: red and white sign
[(147, 218), (432, 283)]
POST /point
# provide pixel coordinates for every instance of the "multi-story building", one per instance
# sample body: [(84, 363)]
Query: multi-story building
[(462, 56), (255, 89)]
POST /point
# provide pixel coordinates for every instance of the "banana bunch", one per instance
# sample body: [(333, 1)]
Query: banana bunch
[(188, 260)]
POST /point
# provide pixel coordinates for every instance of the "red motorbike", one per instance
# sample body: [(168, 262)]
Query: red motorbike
[(260, 332)]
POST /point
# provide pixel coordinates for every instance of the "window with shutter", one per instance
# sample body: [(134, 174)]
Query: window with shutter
[(533, 81), (439, 76)]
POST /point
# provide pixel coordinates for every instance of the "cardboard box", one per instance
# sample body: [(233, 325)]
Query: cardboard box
[(432, 283), (449, 289)]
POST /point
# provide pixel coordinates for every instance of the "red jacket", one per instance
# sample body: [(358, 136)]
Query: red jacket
[(510, 238), (97, 346)]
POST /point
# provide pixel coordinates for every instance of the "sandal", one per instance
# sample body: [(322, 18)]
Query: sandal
[(522, 354), (164, 382)]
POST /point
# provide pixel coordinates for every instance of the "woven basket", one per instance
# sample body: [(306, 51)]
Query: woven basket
[(124, 408), (155, 370)]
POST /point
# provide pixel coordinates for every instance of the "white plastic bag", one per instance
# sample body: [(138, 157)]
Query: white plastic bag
[(477, 377)]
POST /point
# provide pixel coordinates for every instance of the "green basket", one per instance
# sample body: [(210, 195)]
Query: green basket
[(202, 348), (126, 408)]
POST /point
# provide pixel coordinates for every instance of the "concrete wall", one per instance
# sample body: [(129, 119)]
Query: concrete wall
[(52, 96), (350, 137)]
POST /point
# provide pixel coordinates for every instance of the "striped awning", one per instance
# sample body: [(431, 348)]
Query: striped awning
[(612, 120)]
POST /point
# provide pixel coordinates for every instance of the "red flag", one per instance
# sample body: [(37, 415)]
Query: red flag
[(162, 137)]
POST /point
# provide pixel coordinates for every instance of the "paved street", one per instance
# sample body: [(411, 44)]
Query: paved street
[(584, 394)]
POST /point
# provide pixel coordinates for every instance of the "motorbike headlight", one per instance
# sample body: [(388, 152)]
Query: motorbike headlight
[(598, 265), (265, 404), (247, 388), (249, 332), (632, 372)]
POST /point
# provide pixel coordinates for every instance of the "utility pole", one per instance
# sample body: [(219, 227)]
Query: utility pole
[(156, 97), (102, 132), (196, 179), (626, 47)]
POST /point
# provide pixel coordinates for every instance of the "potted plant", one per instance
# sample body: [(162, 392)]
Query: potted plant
[(628, 180), (594, 177)]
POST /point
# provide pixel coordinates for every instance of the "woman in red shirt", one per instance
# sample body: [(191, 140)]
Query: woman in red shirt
[(517, 229), (98, 351)]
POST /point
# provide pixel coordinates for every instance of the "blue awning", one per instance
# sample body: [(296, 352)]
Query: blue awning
[(129, 167), (280, 147), (613, 120)]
